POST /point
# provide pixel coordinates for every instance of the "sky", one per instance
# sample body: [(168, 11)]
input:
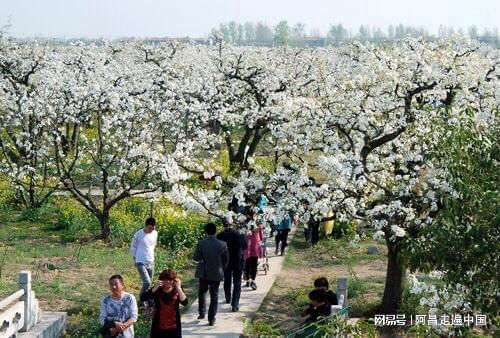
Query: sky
[(195, 18)]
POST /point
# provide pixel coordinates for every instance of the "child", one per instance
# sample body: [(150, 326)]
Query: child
[(318, 307), (322, 283)]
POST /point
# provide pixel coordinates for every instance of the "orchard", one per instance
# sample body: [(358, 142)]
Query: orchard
[(400, 138)]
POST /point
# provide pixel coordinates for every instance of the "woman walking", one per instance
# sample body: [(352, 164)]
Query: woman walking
[(252, 254), (167, 295)]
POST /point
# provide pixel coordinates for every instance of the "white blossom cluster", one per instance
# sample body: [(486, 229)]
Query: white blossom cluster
[(439, 298), (130, 117)]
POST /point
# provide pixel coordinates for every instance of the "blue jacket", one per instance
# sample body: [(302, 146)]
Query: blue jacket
[(285, 224), (261, 204)]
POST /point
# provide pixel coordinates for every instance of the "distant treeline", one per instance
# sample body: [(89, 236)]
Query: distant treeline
[(284, 34), (261, 34)]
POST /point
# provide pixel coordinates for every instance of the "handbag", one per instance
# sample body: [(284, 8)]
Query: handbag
[(200, 270), (104, 331)]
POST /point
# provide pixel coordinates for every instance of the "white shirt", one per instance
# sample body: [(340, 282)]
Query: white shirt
[(143, 246)]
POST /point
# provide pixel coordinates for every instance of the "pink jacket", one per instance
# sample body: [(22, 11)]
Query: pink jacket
[(254, 240)]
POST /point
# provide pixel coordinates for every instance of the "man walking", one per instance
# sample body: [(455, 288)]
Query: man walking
[(143, 250), (282, 236), (212, 255), (236, 243)]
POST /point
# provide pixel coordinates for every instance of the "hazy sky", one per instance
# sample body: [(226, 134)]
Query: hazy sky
[(195, 18)]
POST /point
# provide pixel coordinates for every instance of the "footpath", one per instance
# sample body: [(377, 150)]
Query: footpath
[(230, 324)]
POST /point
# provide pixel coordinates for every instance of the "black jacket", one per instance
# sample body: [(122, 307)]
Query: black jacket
[(331, 298), (323, 310), (236, 243), (215, 257)]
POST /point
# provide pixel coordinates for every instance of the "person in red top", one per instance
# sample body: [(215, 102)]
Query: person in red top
[(167, 295), (252, 254)]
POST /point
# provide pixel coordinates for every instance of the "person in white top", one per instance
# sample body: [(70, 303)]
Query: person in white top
[(143, 250)]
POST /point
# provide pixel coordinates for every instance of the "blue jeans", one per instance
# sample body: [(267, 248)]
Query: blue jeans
[(146, 273)]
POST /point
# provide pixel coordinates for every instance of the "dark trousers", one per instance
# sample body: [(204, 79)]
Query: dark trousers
[(233, 275), (159, 333), (315, 234), (251, 267), (203, 287), (282, 237), (307, 235)]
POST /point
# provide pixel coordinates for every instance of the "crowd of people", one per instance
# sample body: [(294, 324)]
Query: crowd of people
[(226, 256)]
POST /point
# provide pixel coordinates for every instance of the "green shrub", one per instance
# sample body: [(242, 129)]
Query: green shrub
[(299, 298), (176, 260), (44, 215), (178, 228), (410, 303), (260, 328), (344, 229), (74, 220), (7, 198), (356, 287), (30, 214), (126, 217)]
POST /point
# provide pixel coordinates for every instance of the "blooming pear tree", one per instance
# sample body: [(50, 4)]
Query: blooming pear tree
[(107, 102), (463, 241), (242, 99), (260, 91), (25, 118), (382, 105)]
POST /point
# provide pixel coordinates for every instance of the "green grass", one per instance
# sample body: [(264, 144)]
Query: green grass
[(329, 251), (7, 286), (261, 328), (364, 295)]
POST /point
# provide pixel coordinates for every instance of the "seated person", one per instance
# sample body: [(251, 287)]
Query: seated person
[(318, 307), (322, 283), (118, 311)]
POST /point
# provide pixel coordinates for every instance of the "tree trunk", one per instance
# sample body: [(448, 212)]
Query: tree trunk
[(32, 195), (105, 229), (393, 281)]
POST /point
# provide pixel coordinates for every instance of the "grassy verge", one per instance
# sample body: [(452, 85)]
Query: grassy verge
[(280, 311)]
